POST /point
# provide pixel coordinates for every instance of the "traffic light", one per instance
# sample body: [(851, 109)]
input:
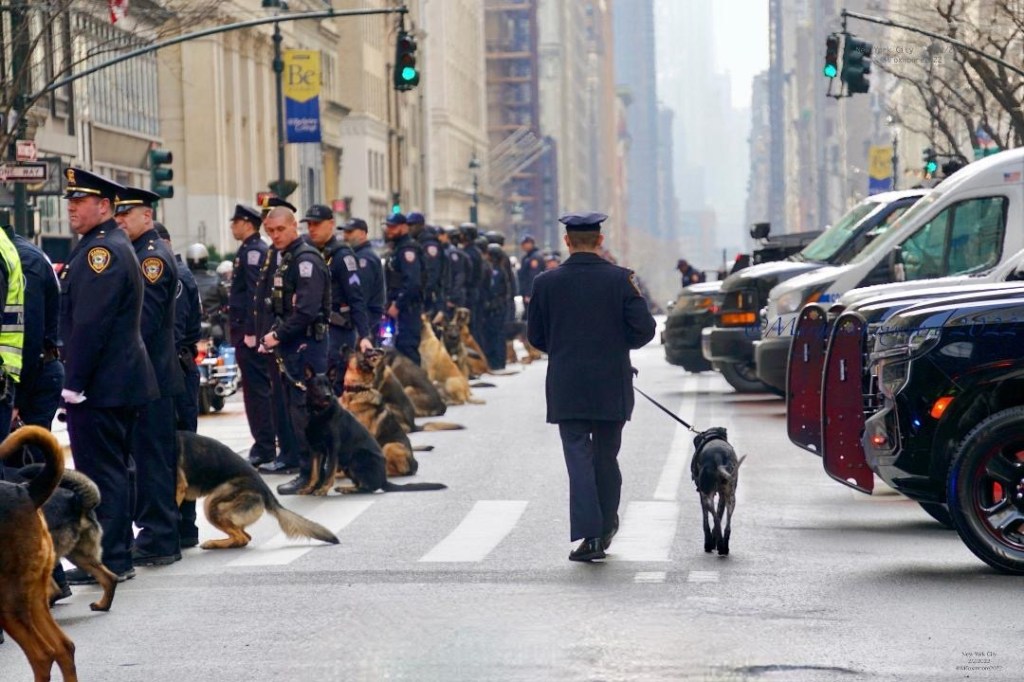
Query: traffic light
[(856, 65), (160, 173), (407, 76), (931, 163), (832, 56), (396, 205)]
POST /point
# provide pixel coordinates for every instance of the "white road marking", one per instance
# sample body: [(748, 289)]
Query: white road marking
[(649, 577), (279, 550), (681, 449), (646, 533), (702, 577), (484, 527)]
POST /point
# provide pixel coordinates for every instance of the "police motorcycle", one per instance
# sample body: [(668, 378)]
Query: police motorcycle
[(218, 370)]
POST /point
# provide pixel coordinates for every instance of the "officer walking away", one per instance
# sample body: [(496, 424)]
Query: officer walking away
[(107, 373), (433, 263), (255, 368), (347, 323), (12, 336), (405, 298), (587, 315), (371, 274), (154, 446), (300, 305)]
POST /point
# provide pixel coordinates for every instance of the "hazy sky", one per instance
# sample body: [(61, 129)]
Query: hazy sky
[(741, 42)]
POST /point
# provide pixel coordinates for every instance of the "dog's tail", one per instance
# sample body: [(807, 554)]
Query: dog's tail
[(423, 448), (442, 426), (483, 384), (42, 486), (725, 474), (75, 481), (296, 526), (390, 487)]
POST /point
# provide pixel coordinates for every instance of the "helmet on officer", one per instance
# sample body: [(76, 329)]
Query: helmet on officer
[(495, 251), (481, 242), (196, 256), (494, 237), (468, 231)]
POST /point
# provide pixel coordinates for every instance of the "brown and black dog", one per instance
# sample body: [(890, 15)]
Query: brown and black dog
[(338, 441), (27, 559), (441, 369), (236, 496), (413, 378)]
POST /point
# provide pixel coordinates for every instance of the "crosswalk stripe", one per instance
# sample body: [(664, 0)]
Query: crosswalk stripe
[(279, 550), (702, 577), (679, 452), (646, 533), (649, 577), (483, 528)]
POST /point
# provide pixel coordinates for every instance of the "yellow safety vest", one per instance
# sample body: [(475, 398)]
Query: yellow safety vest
[(12, 326)]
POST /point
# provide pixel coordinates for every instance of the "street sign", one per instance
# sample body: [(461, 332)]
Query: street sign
[(23, 172), (25, 150)]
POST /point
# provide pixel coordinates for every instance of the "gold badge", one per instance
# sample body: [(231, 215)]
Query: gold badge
[(636, 283), (70, 173), (152, 268), (99, 259)]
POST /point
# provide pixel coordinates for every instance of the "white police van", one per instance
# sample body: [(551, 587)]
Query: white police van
[(967, 229)]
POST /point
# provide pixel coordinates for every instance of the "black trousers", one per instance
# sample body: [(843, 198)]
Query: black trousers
[(591, 450), (186, 410), (101, 440), (280, 418), (493, 342), (407, 337), (155, 452), (257, 395), (313, 354), (339, 338)]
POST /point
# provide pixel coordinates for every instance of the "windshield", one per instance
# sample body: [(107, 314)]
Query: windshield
[(920, 207), (829, 242)]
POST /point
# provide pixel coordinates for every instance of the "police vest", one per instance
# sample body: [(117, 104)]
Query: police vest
[(12, 327), (285, 282)]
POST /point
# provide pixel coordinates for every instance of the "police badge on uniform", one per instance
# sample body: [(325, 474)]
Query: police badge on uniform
[(99, 259), (152, 269), (362, 262), (635, 282), (410, 256), (253, 257), (431, 250), (305, 269)]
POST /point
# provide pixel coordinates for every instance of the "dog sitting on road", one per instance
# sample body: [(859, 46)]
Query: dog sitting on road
[(27, 559), (413, 378), (339, 442), (441, 369), (236, 496), (715, 471)]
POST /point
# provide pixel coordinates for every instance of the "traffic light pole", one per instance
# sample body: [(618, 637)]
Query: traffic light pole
[(279, 86), (937, 36)]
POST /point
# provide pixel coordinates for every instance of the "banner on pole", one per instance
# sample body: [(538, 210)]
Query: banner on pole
[(879, 169), (302, 95)]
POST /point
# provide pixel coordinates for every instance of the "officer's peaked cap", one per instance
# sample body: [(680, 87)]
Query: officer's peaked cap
[(415, 218), (243, 212), (396, 219), (355, 224), (83, 183), (128, 198), (527, 238), (583, 222), (318, 213)]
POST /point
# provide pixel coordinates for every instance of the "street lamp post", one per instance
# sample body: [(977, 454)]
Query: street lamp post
[(474, 165), (279, 88)]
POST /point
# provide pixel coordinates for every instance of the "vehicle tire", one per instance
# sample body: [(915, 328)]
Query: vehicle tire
[(217, 402), (204, 401), (939, 512), (985, 490), (743, 377)]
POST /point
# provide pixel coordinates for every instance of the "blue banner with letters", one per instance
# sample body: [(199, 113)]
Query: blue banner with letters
[(302, 95)]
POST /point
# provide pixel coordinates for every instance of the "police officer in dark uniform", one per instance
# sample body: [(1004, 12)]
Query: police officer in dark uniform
[(347, 322), (371, 274), (108, 374), (433, 264), (496, 309), (404, 280), (587, 315), (531, 266), (455, 271), (154, 446), (477, 279), (299, 304)]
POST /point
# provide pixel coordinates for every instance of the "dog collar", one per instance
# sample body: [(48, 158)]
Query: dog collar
[(355, 389)]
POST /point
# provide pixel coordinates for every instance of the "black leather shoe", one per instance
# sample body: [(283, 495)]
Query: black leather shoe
[(293, 486), (64, 593), (279, 467), (259, 461), (77, 576), (589, 549), (140, 558), (189, 542), (606, 539)]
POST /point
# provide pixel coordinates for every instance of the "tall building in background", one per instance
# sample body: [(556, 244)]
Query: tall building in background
[(759, 186)]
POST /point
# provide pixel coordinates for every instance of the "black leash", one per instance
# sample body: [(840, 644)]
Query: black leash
[(665, 410)]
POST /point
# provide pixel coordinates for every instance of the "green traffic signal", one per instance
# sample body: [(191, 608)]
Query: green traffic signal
[(856, 65), (405, 76), (160, 174), (408, 74), (931, 167), (831, 55), (830, 70)]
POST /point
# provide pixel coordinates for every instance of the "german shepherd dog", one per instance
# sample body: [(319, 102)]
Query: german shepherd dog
[(450, 332), (475, 357), (339, 442), (442, 370), (70, 515), (423, 394), (236, 496), (27, 559), (715, 471)]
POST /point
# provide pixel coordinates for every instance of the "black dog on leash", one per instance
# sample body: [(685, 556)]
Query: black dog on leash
[(715, 470)]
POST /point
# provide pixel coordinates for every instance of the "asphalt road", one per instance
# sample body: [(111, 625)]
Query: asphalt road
[(473, 583)]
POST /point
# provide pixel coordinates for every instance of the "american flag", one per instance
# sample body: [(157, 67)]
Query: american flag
[(118, 8), (1011, 177)]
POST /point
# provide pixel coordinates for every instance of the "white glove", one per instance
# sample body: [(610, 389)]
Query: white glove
[(72, 397)]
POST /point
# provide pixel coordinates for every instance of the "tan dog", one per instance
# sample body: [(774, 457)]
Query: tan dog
[(442, 370), (451, 334), (27, 558), (475, 357)]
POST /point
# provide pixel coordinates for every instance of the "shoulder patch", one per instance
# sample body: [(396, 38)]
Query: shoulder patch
[(432, 250), (99, 259), (455, 255), (635, 282), (534, 263), (362, 263), (253, 258), (410, 256), (306, 269), (152, 269), (350, 263)]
